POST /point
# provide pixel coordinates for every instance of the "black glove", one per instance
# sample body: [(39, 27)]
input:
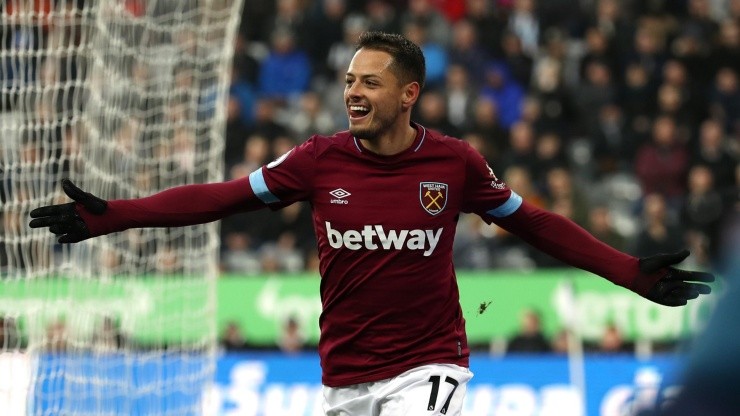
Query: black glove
[(676, 287), (64, 220)]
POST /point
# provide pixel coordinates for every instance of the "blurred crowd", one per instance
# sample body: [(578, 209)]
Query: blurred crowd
[(621, 115)]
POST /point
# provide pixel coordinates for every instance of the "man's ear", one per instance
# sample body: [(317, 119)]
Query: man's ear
[(410, 95)]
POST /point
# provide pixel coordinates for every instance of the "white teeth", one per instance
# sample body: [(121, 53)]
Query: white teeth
[(358, 108)]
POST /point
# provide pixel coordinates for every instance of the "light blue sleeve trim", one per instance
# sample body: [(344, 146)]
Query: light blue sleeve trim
[(508, 207), (259, 187)]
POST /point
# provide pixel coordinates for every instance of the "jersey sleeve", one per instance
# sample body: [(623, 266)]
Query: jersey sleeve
[(485, 194), (288, 178)]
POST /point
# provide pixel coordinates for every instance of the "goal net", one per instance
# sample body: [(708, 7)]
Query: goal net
[(126, 98)]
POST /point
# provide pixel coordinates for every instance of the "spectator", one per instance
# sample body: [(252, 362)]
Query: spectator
[(432, 113), (295, 219), (611, 19), (282, 255), (256, 19), (289, 17), (520, 180), (256, 152), (659, 232), (486, 124), (245, 61), (310, 116), (435, 54), (612, 341), (108, 336), (702, 209), (600, 226), (430, 20), (19, 66), (661, 164), (648, 51), (56, 337), (599, 48), (726, 51), (466, 51), (637, 99), (489, 22), (595, 92), (238, 256), (460, 98), (325, 24), (236, 132), (561, 343), (518, 254), (714, 151), (524, 22), (519, 63), (549, 152), (529, 338), (612, 146), (699, 22), (382, 16), (286, 71), (265, 114), (521, 151), (532, 114), (281, 145), (671, 104), (500, 87), (341, 51), (242, 91), (473, 245), (232, 339), (291, 339), (10, 339), (556, 103), (724, 100), (565, 195), (691, 95)]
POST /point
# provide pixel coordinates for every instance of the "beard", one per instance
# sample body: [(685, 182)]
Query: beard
[(380, 123)]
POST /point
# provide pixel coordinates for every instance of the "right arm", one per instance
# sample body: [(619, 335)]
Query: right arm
[(89, 216), (174, 207), (275, 185)]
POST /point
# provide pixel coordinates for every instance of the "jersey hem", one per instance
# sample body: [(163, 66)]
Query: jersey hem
[(390, 373)]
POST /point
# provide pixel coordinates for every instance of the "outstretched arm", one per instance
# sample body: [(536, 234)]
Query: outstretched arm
[(652, 277), (89, 216)]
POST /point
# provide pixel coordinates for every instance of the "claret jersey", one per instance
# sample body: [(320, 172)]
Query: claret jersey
[(385, 228)]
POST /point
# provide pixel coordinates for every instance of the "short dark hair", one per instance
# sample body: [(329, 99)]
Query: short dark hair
[(408, 60)]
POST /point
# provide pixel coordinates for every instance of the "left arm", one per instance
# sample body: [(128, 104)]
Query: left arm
[(651, 277), (566, 241)]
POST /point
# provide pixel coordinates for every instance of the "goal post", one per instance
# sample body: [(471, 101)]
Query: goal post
[(126, 98)]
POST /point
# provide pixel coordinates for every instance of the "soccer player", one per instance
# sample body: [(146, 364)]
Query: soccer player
[(386, 196)]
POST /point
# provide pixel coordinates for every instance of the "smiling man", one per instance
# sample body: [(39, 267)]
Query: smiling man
[(386, 196)]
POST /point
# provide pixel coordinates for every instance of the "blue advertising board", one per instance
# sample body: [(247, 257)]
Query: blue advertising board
[(275, 384), (279, 385)]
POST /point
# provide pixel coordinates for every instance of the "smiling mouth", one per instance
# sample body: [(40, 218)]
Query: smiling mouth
[(357, 112)]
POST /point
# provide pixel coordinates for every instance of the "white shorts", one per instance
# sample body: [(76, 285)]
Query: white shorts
[(429, 390)]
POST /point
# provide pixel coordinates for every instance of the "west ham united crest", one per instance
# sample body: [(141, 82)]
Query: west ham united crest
[(433, 196)]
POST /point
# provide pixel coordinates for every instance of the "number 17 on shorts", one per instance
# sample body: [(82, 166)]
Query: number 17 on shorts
[(429, 390)]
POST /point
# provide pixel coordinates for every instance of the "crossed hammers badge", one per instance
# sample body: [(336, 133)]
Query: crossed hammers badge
[(433, 196)]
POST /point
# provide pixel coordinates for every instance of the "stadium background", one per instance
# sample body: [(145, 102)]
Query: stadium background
[(621, 115)]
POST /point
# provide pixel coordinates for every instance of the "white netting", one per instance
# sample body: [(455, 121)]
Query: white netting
[(126, 98)]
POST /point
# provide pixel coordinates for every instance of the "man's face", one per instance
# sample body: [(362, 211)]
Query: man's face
[(373, 94)]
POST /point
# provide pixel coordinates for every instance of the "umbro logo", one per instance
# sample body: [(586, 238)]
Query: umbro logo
[(339, 195)]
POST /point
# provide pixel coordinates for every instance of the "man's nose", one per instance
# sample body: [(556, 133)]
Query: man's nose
[(353, 90)]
